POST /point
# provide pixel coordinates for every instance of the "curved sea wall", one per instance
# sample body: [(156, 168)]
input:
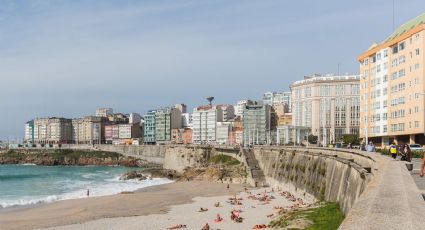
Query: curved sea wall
[(324, 176)]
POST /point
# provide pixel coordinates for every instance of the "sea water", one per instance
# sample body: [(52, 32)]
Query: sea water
[(33, 184)]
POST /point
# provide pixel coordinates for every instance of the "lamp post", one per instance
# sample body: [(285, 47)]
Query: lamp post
[(367, 114)]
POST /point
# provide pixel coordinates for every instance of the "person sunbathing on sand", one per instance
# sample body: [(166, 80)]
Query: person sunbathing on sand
[(203, 209), (271, 215), (218, 218), (177, 226), (259, 226), (206, 227), (217, 204)]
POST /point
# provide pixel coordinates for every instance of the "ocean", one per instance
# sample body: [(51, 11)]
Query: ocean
[(32, 184)]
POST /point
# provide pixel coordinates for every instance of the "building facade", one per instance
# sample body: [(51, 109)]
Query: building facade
[(205, 120), (228, 112), (256, 124), (88, 130), (29, 132), (52, 130), (393, 87), (328, 105), (149, 127), (166, 119), (104, 112), (224, 130), (239, 107), (271, 98)]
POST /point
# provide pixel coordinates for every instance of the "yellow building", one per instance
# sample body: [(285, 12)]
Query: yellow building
[(392, 87)]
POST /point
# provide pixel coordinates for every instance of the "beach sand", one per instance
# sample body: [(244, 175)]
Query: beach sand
[(157, 207), (149, 200)]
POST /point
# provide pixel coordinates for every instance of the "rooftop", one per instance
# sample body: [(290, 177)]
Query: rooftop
[(407, 26)]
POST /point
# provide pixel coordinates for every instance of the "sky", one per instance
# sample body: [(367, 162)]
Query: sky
[(67, 58)]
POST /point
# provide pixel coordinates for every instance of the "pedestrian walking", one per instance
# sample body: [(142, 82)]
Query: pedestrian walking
[(393, 150)]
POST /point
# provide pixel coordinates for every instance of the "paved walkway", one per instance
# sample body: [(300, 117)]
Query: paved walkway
[(419, 181)]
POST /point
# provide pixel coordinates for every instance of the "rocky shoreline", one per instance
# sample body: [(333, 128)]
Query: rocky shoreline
[(69, 157)]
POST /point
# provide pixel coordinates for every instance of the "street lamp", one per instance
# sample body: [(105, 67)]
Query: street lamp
[(367, 114)]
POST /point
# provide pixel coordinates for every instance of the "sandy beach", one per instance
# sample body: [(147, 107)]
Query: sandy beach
[(158, 207), (150, 200)]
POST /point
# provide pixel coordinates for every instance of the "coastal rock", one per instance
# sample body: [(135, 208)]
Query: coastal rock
[(133, 175)]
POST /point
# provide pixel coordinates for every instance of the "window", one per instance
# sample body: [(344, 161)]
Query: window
[(402, 73), (373, 58), (416, 66), (385, 53), (401, 46), (378, 56), (417, 51), (378, 68), (395, 49), (416, 124), (385, 79), (401, 59), (366, 61)]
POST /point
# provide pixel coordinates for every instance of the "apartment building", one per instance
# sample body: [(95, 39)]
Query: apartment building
[(393, 86), (327, 105), (88, 130), (52, 130), (181, 107), (256, 124), (166, 119), (104, 112), (149, 127), (29, 132), (228, 112), (224, 130), (204, 119), (239, 107), (271, 98), (122, 133)]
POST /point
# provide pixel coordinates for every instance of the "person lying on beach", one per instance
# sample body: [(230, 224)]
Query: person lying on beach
[(177, 226), (259, 226), (217, 204), (218, 218), (203, 209), (271, 215), (206, 227)]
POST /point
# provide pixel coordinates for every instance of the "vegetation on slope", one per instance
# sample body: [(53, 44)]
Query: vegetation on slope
[(223, 159), (326, 216)]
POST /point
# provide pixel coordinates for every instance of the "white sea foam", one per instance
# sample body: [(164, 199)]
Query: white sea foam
[(78, 189)]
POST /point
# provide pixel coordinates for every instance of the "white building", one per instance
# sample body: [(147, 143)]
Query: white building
[(104, 112), (134, 118), (239, 107), (205, 120), (187, 120), (271, 98), (329, 105), (223, 132)]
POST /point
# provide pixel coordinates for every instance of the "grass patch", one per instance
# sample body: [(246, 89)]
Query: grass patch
[(223, 159), (326, 216)]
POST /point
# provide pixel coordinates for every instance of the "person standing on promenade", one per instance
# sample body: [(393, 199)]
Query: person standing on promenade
[(393, 150), (370, 147), (407, 153)]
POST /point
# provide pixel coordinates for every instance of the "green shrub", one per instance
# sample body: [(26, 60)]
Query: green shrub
[(223, 159)]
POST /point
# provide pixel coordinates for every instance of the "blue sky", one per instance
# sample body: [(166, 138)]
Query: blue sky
[(66, 58)]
